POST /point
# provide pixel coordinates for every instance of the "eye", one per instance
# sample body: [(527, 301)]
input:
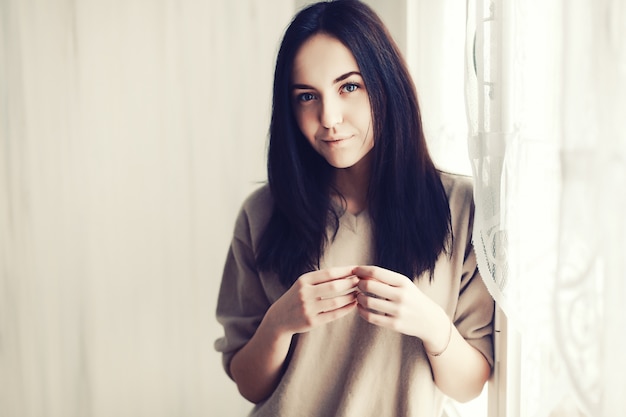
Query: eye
[(304, 97), (349, 88)]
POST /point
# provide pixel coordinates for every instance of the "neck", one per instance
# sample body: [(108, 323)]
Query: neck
[(353, 183)]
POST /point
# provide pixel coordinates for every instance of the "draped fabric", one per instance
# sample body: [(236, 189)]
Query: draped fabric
[(130, 132), (546, 99)]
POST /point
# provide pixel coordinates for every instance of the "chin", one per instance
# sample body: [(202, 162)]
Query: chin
[(340, 164), (347, 162)]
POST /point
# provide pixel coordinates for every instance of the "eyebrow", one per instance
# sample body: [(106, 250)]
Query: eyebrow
[(335, 81)]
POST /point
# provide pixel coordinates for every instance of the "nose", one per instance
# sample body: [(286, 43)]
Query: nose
[(332, 113)]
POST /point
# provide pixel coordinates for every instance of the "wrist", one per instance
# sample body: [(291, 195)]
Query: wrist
[(272, 325), (440, 336)]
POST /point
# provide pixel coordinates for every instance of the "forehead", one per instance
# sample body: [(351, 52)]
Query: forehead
[(321, 59)]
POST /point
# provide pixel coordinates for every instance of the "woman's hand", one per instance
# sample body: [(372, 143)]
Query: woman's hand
[(316, 298), (391, 300)]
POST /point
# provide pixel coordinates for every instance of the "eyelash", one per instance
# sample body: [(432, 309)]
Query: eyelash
[(301, 97), (357, 86)]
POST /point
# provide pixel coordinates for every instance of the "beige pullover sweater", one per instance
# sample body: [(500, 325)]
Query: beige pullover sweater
[(351, 368)]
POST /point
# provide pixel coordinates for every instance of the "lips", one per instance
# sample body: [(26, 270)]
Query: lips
[(335, 139)]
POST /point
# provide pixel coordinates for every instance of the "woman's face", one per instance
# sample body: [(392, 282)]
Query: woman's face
[(330, 101)]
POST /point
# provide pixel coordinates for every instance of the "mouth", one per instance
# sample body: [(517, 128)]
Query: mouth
[(335, 140)]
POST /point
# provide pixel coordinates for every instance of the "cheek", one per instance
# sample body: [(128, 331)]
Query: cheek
[(363, 117), (370, 136), (366, 124), (307, 125)]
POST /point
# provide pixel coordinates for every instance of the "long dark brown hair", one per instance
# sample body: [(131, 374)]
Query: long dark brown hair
[(406, 199)]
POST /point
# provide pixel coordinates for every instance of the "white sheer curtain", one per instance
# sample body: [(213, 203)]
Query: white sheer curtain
[(435, 52), (130, 132), (546, 93)]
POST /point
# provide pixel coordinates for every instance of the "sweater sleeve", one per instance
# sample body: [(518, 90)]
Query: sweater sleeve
[(242, 301), (475, 309), (474, 314)]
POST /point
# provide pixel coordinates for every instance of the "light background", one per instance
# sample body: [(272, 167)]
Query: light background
[(130, 133)]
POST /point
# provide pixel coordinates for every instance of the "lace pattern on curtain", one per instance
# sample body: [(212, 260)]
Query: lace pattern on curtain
[(546, 98)]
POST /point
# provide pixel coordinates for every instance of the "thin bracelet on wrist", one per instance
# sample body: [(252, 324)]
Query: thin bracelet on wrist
[(447, 343)]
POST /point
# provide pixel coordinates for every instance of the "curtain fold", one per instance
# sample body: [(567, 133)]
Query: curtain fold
[(130, 132), (546, 95)]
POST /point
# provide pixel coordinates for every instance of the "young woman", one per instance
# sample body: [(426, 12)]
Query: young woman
[(312, 327)]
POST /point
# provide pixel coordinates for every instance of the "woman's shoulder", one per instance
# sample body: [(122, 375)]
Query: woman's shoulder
[(255, 212), (259, 199), (459, 189), (455, 183)]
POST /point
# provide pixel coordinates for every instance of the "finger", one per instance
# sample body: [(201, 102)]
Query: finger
[(375, 317), (331, 315), (378, 305), (329, 274), (336, 303), (380, 274), (379, 289), (337, 287)]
